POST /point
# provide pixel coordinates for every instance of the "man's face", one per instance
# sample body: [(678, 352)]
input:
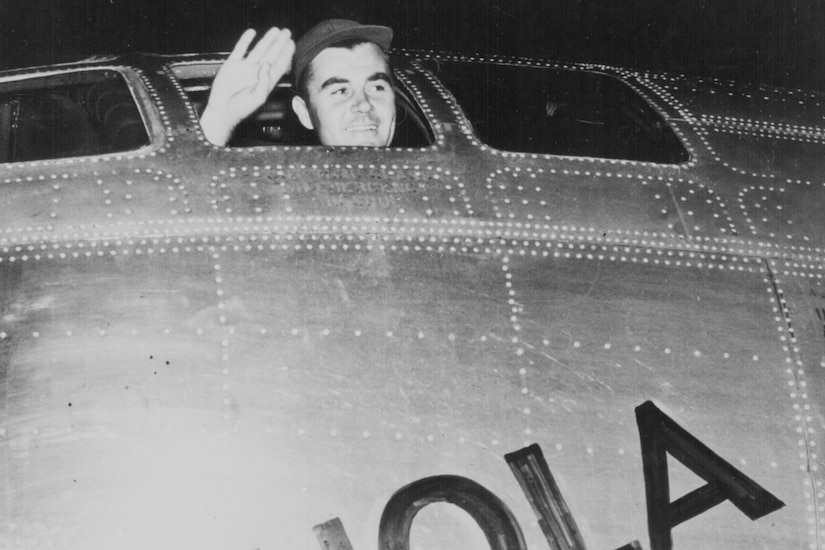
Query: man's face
[(351, 99)]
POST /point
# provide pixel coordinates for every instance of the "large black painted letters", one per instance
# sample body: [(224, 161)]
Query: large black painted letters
[(490, 513), (660, 436)]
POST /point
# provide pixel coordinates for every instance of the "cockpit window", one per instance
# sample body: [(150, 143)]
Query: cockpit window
[(275, 123), (68, 115), (560, 112)]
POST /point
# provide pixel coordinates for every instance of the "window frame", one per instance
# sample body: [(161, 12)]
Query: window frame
[(141, 98), (466, 119), (207, 68)]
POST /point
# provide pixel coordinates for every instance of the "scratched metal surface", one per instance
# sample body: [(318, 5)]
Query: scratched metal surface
[(216, 348)]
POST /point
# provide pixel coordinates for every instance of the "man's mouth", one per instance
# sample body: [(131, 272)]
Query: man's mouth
[(362, 128)]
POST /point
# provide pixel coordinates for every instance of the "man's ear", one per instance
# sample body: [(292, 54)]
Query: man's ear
[(300, 108)]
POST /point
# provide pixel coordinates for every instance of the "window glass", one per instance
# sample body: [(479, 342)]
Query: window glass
[(68, 115), (559, 112), (275, 123)]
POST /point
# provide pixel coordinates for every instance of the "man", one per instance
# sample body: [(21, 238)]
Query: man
[(342, 77)]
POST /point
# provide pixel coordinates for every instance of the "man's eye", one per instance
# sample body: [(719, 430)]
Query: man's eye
[(339, 91)]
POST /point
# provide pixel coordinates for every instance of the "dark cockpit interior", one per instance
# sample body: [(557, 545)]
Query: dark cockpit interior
[(554, 111), (68, 115)]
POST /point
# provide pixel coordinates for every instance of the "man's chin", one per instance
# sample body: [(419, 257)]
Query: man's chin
[(356, 139), (368, 143), (367, 140)]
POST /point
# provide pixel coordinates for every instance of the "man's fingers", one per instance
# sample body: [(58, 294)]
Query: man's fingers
[(242, 45), (282, 60), (278, 46), (259, 52)]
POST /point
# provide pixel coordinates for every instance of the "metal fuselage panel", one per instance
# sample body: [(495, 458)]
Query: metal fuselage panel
[(221, 348)]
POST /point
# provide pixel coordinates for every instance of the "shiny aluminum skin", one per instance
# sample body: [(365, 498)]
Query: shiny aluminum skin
[(214, 348)]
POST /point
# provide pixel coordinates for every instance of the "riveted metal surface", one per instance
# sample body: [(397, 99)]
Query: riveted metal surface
[(221, 348), (736, 103), (279, 368)]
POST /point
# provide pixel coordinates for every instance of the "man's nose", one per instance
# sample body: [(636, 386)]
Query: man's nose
[(361, 103)]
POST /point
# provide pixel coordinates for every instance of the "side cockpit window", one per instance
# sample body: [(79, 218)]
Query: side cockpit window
[(556, 111), (68, 115), (275, 123)]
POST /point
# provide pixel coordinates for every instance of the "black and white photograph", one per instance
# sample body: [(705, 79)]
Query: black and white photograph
[(412, 275)]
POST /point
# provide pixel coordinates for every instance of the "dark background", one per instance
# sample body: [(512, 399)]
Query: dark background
[(778, 42)]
